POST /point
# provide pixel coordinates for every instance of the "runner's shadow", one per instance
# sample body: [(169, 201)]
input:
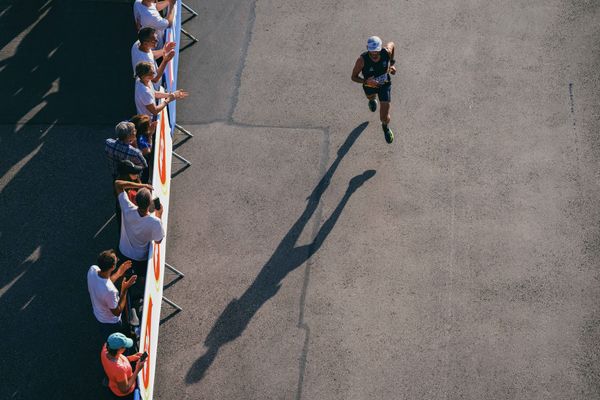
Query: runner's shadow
[(235, 318)]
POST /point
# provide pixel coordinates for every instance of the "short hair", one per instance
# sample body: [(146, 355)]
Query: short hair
[(145, 34), (124, 129), (143, 68), (142, 123), (143, 198), (112, 352), (106, 260)]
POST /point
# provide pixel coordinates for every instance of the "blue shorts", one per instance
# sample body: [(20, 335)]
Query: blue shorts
[(384, 92)]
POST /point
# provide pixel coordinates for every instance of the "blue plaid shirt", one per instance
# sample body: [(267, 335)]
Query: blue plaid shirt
[(116, 151)]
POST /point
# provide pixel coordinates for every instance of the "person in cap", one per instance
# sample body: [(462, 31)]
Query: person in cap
[(121, 376), (375, 65)]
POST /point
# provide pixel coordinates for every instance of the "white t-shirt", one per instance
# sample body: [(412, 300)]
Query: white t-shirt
[(137, 232), (144, 96), (104, 296), (150, 16), (138, 56)]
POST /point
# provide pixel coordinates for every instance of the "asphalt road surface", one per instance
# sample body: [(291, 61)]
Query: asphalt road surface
[(459, 262)]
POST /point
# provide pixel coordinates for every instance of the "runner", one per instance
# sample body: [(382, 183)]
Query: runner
[(376, 65)]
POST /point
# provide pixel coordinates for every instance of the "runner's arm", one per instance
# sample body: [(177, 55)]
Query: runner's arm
[(358, 66), (390, 47)]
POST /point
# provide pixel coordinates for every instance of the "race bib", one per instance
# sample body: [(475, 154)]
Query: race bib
[(381, 79)]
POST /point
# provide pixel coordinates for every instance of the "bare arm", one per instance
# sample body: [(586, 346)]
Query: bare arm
[(160, 5), (358, 66), (167, 48), (171, 14), (125, 285), (125, 385), (120, 186), (163, 64), (390, 47)]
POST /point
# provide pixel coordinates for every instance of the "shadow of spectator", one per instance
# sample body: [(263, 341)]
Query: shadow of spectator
[(287, 256)]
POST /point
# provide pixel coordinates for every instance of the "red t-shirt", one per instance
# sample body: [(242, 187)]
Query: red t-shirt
[(116, 371)]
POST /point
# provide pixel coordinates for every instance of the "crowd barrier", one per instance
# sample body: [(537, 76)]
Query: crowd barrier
[(161, 181)]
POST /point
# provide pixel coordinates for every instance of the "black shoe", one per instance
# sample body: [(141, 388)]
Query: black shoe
[(373, 105), (389, 135)]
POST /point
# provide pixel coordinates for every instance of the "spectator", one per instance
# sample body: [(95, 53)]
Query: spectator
[(139, 227), (107, 302), (147, 14), (145, 95), (129, 178), (145, 129), (123, 148), (142, 51), (117, 366)]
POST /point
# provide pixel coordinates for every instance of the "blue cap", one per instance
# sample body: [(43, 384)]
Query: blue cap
[(117, 340), (374, 43)]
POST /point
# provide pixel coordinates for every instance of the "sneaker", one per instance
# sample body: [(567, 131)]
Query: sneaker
[(373, 105), (389, 135)]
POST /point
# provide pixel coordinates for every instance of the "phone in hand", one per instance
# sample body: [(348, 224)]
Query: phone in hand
[(144, 356), (157, 203)]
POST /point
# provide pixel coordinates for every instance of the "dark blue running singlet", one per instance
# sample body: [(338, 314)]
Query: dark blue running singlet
[(379, 69)]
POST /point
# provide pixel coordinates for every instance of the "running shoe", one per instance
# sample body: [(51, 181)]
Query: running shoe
[(373, 105), (389, 135)]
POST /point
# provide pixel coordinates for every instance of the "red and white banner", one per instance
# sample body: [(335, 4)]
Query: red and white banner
[(161, 181)]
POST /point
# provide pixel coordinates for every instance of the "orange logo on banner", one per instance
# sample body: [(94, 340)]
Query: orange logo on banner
[(162, 158), (156, 261), (148, 334)]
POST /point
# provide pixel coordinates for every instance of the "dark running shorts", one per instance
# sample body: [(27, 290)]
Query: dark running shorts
[(383, 92)]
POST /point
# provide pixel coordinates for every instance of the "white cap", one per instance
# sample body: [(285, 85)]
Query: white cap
[(374, 43)]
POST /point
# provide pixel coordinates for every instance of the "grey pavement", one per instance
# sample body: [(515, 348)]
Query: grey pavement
[(322, 263)]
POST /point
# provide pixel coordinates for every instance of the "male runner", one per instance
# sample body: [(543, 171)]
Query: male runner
[(376, 65)]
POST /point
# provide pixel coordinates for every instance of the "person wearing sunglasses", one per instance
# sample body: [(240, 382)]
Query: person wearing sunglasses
[(142, 51)]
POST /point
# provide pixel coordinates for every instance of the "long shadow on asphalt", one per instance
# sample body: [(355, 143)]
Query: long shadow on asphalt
[(235, 318)]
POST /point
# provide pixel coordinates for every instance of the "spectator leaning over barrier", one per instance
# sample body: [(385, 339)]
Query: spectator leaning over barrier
[(107, 302), (145, 95), (139, 227), (123, 148), (147, 14), (121, 377), (129, 178), (142, 51)]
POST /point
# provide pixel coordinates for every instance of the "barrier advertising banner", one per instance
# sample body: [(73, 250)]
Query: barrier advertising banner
[(161, 181)]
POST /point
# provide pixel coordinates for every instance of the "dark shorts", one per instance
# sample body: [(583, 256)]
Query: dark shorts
[(383, 92)]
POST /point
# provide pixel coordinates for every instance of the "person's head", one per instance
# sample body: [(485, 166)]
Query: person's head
[(142, 124), (144, 70), (107, 260), (128, 169), (148, 36), (125, 131), (143, 198), (374, 45), (117, 343)]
